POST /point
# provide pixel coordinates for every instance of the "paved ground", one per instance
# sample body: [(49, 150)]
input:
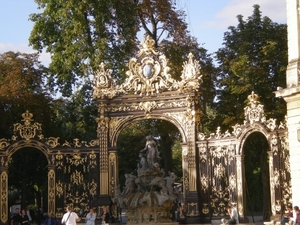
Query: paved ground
[(257, 221)]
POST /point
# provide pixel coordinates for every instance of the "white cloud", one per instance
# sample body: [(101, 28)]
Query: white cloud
[(275, 10), (23, 48)]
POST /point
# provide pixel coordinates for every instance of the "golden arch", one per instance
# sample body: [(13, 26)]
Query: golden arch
[(28, 143), (257, 127), (119, 127)]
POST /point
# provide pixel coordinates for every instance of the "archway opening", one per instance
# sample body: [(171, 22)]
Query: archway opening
[(28, 181), (132, 140), (258, 202), (135, 164)]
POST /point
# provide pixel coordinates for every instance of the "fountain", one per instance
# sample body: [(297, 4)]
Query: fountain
[(148, 197)]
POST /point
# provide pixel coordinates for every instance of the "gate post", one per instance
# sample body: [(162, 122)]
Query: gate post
[(51, 189), (272, 186), (102, 133), (241, 190), (4, 194), (113, 180)]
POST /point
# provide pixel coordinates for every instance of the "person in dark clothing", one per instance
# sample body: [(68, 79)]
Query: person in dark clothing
[(25, 219), (288, 217), (105, 216), (50, 220), (16, 218)]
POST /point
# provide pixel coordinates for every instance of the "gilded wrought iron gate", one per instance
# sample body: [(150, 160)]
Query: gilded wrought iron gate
[(73, 168), (213, 166), (221, 164)]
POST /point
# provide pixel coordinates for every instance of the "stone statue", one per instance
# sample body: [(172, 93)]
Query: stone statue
[(129, 183), (142, 165), (148, 196), (151, 151)]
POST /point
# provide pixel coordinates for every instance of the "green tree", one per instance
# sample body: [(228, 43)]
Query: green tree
[(253, 58), (28, 173), (81, 34), (257, 175), (136, 133), (76, 116), (22, 88)]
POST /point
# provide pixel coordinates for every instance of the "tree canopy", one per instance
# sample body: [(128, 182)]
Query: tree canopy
[(82, 34), (253, 58), (22, 88)]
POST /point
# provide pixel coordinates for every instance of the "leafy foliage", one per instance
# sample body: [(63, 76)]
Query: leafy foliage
[(28, 172), (21, 89), (136, 133), (254, 58), (257, 174), (76, 116), (82, 34)]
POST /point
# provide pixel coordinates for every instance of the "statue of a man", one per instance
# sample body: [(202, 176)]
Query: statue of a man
[(152, 151)]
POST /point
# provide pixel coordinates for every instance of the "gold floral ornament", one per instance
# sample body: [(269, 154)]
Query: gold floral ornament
[(191, 78), (148, 73), (27, 130), (104, 85), (254, 111)]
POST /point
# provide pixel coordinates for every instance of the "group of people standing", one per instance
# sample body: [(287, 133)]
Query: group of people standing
[(71, 218), (292, 217), (25, 218), (21, 218)]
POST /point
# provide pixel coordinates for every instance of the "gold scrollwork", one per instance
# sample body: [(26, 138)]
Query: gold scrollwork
[(219, 171), (59, 189), (76, 159), (4, 143), (27, 130), (204, 183), (4, 197), (52, 142), (93, 188), (59, 160), (76, 177)]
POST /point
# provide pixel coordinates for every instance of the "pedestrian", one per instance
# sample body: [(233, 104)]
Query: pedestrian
[(288, 218), (25, 220), (233, 216), (70, 218), (16, 218), (91, 217), (50, 220), (28, 214), (296, 215), (105, 216)]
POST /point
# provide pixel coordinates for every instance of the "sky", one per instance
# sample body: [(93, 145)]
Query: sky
[(208, 20)]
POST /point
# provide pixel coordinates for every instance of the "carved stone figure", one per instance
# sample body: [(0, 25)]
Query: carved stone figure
[(148, 197), (151, 150)]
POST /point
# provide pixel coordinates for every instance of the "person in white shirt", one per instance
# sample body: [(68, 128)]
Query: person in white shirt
[(70, 218), (28, 214), (234, 218), (90, 217)]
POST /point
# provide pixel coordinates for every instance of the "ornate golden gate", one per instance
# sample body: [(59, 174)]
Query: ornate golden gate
[(82, 171), (73, 168)]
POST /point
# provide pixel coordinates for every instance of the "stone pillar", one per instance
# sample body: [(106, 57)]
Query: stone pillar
[(293, 24), (272, 183), (240, 185), (291, 94)]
